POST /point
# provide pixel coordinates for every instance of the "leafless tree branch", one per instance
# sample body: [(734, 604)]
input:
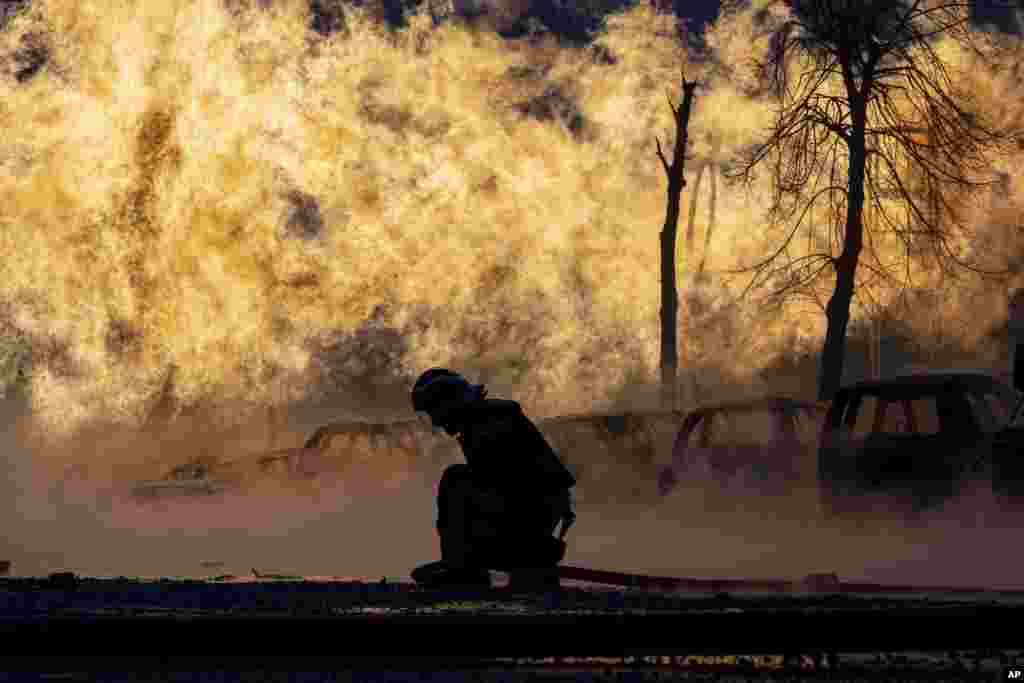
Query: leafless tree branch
[(902, 140)]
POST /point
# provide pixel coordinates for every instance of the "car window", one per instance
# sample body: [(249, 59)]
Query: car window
[(865, 416), (808, 426), (893, 419), (1000, 410), (700, 434), (925, 415), (745, 427), (883, 416)]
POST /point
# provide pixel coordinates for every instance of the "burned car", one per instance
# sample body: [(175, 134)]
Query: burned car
[(380, 451), (764, 445), (193, 478), (349, 449), (911, 442)]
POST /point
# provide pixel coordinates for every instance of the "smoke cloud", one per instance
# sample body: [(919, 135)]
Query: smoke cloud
[(223, 229)]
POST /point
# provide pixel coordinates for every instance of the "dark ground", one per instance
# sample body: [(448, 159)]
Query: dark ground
[(114, 629)]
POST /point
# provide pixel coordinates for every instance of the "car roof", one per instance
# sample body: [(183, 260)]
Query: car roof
[(929, 379), (920, 382), (660, 412), (771, 402)]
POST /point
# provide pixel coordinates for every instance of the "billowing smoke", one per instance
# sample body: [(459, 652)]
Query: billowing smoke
[(224, 227)]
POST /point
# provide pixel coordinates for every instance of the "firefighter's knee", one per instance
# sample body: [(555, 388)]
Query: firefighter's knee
[(453, 494)]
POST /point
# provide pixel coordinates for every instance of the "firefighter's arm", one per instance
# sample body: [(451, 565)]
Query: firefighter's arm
[(568, 517), (562, 503)]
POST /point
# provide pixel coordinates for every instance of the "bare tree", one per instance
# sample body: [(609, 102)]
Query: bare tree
[(669, 294), (868, 112)]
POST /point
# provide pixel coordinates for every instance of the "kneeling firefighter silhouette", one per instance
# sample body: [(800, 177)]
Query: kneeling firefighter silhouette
[(500, 509)]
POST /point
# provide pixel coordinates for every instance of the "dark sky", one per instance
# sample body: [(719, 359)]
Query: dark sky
[(983, 11), (698, 11), (563, 17)]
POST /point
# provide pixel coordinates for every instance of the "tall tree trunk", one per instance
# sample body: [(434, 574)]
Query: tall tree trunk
[(669, 299), (838, 310), (669, 295)]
